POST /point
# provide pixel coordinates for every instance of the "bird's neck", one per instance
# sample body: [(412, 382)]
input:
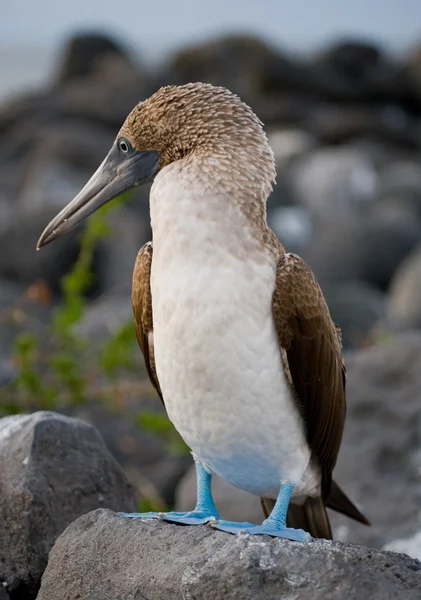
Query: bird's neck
[(198, 205)]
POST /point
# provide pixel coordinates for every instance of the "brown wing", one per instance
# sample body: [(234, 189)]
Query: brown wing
[(142, 310), (311, 344)]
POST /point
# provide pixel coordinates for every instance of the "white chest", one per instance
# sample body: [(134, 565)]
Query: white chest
[(217, 354)]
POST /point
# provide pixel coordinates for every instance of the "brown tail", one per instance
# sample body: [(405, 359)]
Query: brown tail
[(337, 500), (312, 516)]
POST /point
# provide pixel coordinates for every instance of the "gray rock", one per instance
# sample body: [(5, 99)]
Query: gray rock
[(380, 459), (399, 178), (19, 259), (367, 247), (404, 309), (105, 557), (336, 124), (54, 469), (66, 155), (333, 181)]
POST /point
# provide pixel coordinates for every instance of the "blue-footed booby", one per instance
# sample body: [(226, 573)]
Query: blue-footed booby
[(235, 332)]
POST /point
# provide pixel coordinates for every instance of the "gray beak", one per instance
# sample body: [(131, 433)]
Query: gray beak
[(117, 174)]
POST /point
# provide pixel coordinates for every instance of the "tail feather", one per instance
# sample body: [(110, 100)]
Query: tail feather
[(339, 501), (312, 515)]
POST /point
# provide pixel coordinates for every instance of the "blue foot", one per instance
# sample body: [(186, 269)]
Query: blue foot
[(194, 517), (267, 528), (204, 511)]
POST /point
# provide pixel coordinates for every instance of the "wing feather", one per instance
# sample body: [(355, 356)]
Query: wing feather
[(311, 343), (142, 311)]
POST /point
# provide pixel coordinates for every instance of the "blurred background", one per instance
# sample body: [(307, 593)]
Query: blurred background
[(338, 86)]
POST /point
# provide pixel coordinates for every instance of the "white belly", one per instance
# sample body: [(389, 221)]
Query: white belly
[(220, 371)]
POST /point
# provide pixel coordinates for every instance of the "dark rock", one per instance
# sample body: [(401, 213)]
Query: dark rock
[(54, 469), (99, 102), (388, 237), (244, 64), (102, 557), (83, 51), (405, 293), (357, 70), (399, 184), (379, 461), (356, 307), (3, 593), (19, 259), (336, 124), (367, 247), (412, 72)]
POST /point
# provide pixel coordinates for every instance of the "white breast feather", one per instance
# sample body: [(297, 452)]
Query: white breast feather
[(216, 351)]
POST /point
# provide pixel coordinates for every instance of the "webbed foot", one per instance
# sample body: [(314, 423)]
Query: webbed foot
[(266, 528)]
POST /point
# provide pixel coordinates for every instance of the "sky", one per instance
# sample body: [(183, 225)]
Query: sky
[(156, 27)]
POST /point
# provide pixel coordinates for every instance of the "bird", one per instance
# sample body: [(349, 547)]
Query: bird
[(235, 332)]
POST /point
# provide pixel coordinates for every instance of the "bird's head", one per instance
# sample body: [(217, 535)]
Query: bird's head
[(176, 123)]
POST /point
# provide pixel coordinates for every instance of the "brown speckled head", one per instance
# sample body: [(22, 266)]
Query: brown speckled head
[(205, 128), (195, 118)]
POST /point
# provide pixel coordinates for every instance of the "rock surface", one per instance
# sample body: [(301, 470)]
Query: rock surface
[(53, 470), (106, 557)]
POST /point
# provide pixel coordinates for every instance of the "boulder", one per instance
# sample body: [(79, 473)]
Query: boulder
[(106, 557), (53, 470)]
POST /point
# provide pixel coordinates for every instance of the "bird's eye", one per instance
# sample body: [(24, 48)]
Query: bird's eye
[(124, 145)]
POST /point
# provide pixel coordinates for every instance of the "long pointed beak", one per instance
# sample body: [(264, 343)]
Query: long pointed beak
[(116, 175)]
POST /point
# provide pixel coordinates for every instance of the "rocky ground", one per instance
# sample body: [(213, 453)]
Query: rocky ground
[(345, 125), (56, 471)]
